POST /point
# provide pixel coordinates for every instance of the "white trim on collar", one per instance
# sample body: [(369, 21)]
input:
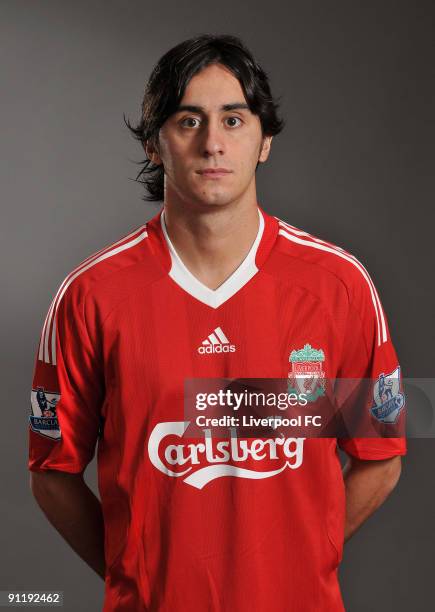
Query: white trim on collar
[(213, 297)]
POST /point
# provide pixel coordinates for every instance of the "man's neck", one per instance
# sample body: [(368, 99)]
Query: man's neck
[(212, 243)]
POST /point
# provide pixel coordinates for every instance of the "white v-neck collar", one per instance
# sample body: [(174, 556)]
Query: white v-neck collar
[(213, 297)]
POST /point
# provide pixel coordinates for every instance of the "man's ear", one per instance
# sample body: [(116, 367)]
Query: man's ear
[(152, 154), (265, 148)]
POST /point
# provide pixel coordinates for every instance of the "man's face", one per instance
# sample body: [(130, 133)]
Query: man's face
[(212, 128)]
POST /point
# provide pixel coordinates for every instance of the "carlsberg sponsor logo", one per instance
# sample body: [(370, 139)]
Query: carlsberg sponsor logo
[(200, 463)]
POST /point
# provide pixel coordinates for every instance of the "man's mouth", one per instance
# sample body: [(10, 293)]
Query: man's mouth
[(214, 172)]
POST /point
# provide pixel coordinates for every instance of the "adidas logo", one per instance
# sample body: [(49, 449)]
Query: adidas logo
[(216, 342)]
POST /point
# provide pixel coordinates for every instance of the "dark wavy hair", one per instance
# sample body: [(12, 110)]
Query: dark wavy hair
[(168, 81)]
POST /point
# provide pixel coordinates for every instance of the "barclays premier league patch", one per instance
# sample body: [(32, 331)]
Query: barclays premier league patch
[(43, 419), (388, 400)]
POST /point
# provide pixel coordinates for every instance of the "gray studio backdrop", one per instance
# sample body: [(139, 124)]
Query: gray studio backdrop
[(354, 166)]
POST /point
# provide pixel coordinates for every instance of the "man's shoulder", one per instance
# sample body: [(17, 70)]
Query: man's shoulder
[(110, 265), (322, 260)]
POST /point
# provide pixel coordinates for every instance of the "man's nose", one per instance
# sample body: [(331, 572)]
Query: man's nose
[(213, 142)]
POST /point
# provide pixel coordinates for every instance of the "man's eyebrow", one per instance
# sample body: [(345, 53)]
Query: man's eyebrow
[(200, 109)]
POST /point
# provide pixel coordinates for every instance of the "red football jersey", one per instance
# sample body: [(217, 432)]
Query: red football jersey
[(190, 526)]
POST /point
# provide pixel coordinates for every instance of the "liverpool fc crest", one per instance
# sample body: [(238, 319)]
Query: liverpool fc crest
[(307, 375)]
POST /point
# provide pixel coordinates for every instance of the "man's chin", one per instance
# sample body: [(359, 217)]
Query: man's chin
[(217, 198)]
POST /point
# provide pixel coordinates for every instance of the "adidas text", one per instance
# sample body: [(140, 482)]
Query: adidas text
[(217, 348)]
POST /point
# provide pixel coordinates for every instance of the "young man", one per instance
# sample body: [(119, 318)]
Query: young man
[(212, 287)]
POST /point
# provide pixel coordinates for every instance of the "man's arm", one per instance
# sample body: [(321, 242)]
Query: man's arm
[(368, 483), (74, 510)]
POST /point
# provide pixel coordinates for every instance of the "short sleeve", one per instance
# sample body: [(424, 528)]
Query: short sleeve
[(368, 353), (67, 388)]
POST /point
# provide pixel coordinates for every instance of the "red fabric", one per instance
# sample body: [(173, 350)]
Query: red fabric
[(126, 338)]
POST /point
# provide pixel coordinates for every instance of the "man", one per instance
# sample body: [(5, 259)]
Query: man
[(211, 287)]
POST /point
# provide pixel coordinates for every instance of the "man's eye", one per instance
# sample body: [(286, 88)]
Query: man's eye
[(232, 121), (190, 122)]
